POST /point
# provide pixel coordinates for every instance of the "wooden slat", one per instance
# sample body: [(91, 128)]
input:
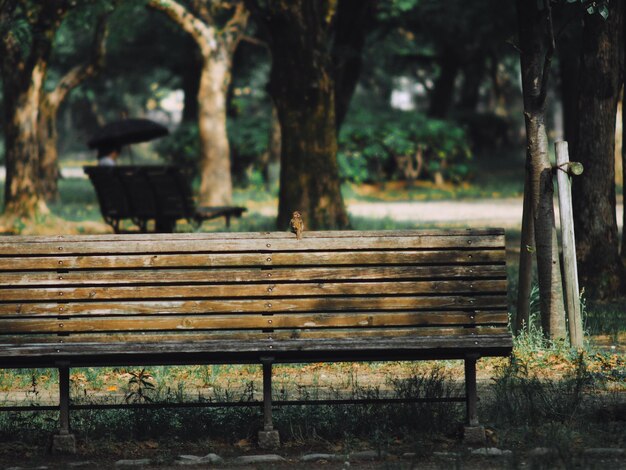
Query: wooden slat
[(462, 339), (217, 236), (183, 276), (86, 246), (317, 304), (266, 290), (252, 259), (195, 336), (216, 322)]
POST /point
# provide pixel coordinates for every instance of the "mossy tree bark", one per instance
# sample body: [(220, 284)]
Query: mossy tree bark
[(597, 242), (23, 73), (303, 90), (217, 44), (536, 42)]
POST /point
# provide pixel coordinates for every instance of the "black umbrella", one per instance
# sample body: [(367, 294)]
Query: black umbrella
[(125, 132)]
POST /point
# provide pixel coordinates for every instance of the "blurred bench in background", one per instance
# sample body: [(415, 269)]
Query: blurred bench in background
[(145, 193)]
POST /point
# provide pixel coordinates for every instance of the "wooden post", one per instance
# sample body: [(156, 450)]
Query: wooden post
[(569, 245), (471, 396)]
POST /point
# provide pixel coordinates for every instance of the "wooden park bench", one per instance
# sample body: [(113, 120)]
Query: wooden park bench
[(206, 298), (144, 193)]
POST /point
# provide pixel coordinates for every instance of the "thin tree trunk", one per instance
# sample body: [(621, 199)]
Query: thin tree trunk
[(354, 20), (473, 75), (443, 93), (597, 242), (623, 250), (527, 249), (536, 53)]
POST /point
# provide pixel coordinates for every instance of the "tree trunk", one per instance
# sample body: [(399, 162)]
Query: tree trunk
[(49, 172), (22, 191), (23, 75), (302, 88), (217, 47), (569, 63), (215, 177), (533, 34), (623, 250), (443, 92), (354, 20), (597, 243), (473, 73)]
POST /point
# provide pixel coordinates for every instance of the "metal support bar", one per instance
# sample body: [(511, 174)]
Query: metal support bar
[(64, 398), (267, 393), (470, 389)]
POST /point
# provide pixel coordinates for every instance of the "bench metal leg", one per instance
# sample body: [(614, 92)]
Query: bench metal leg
[(64, 399), (268, 437), (63, 442), (267, 394), (473, 434)]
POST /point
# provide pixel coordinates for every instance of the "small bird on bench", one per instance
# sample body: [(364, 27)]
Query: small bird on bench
[(297, 224)]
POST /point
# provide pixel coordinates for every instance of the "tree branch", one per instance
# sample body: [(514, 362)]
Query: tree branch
[(81, 72), (202, 33)]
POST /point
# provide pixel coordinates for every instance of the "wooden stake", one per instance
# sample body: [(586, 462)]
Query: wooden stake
[(569, 245)]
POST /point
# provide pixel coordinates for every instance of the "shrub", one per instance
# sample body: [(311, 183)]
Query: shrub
[(375, 147)]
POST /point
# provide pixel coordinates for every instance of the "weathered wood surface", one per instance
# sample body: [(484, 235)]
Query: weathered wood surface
[(205, 293)]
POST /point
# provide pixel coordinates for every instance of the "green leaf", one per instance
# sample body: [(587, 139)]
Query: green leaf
[(604, 11), (591, 10)]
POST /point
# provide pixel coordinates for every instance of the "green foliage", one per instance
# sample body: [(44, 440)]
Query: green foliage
[(373, 146), (182, 148)]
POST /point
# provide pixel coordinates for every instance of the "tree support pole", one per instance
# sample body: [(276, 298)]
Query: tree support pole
[(568, 243)]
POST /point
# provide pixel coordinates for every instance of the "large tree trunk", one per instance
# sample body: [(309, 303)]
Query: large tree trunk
[(215, 177), (599, 266), (23, 75), (534, 34), (302, 87), (49, 171), (217, 46), (22, 191)]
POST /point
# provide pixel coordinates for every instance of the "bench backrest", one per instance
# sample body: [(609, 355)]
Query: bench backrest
[(145, 192), (331, 294)]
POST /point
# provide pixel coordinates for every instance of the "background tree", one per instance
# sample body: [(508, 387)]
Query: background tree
[(28, 30), (51, 101), (303, 90), (536, 43), (597, 243), (217, 38)]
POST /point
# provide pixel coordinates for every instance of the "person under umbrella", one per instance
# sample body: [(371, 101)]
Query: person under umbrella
[(107, 156)]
